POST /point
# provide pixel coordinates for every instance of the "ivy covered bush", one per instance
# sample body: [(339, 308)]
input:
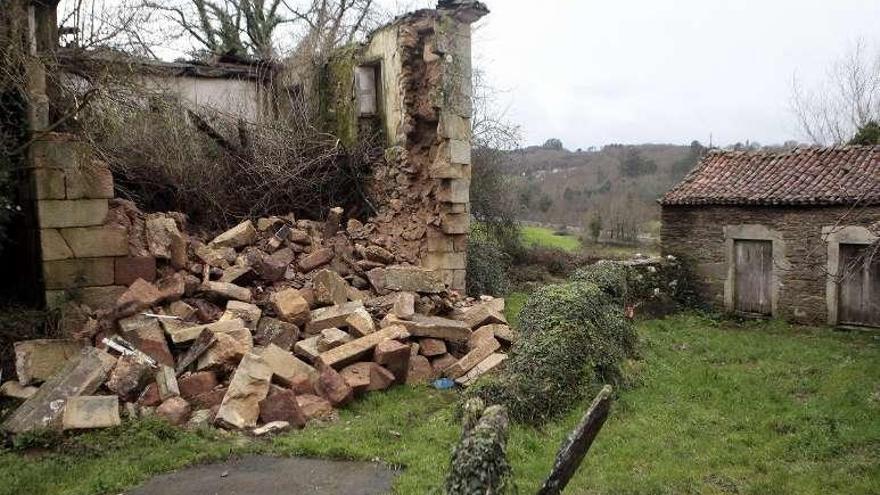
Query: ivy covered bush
[(573, 337)]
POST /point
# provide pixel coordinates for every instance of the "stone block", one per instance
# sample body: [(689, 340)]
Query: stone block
[(318, 258), (459, 280), (314, 406), (164, 239), (436, 327), (53, 246), (48, 183), (226, 291), (239, 236), (333, 387), (455, 127), (480, 315), (285, 366), (274, 331), (280, 404), (493, 361), (445, 261), (138, 297), (360, 323), (91, 411), (438, 242), (290, 306), (413, 279), (95, 242), (65, 274), (128, 377), (430, 347), (455, 223), (441, 168), (332, 316), (440, 363), (127, 270), (394, 356), (195, 384), (459, 151), (15, 390), (405, 306), (92, 181), (93, 297), (166, 380), (249, 385), (274, 266), (175, 410), (227, 350), (308, 348), (485, 348), (80, 376), (454, 191), (56, 151), (357, 348), (38, 360), (180, 334), (71, 213), (331, 338), (246, 312), (330, 288), (420, 370)]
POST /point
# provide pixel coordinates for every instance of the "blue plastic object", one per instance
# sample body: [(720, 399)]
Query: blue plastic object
[(443, 383)]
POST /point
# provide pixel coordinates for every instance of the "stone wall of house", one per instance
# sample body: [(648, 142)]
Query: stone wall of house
[(697, 236), (424, 111)]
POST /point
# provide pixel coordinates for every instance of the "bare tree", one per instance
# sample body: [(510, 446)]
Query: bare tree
[(833, 111), (120, 25), (263, 29)]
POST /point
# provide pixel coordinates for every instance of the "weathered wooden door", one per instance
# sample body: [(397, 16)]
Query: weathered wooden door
[(859, 297), (754, 266)]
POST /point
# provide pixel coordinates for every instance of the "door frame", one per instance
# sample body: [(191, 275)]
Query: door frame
[(753, 232), (834, 236)]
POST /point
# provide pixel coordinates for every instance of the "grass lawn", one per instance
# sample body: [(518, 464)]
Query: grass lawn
[(756, 408), (544, 237)]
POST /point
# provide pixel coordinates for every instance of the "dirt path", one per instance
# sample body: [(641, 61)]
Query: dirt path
[(264, 475)]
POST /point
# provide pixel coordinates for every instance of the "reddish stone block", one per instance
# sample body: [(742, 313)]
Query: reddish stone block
[(129, 269)]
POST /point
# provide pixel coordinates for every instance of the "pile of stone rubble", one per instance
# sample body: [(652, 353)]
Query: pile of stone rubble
[(269, 325)]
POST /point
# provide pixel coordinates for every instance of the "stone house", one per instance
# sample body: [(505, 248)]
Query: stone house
[(790, 234)]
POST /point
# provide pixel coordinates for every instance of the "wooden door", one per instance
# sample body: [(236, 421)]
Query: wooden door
[(859, 296), (754, 267)]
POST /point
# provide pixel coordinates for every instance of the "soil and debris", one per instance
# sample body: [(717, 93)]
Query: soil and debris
[(264, 327)]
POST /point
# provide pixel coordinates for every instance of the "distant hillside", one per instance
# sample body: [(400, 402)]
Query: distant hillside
[(619, 183)]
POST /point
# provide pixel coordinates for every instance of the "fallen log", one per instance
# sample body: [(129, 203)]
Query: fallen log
[(578, 443)]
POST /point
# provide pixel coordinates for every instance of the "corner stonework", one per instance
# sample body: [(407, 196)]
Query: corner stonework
[(425, 101)]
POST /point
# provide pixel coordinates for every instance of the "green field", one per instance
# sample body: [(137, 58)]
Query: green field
[(544, 237), (759, 408)]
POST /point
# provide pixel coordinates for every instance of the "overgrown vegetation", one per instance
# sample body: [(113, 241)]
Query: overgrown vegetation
[(755, 408), (479, 463), (487, 267), (572, 337), (216, 168)]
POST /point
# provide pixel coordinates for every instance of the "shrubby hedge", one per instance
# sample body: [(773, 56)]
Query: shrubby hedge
[(572, 338)]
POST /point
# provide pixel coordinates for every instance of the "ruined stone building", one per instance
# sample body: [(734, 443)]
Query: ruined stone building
[(410, 82), (790, 235)]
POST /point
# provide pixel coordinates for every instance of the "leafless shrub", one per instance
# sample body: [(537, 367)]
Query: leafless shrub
[(169, 155)]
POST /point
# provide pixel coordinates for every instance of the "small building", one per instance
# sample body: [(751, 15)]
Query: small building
[(792, 234)]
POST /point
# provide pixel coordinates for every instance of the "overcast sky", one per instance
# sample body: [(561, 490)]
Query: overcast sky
[(593, 72)]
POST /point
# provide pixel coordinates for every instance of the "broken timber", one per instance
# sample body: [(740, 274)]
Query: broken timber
[(578, 443)]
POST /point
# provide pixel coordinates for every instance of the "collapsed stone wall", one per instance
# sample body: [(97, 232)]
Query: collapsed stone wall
[(420, 192), (422, 189)]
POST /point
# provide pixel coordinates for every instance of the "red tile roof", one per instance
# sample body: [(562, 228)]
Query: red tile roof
[(840, 175)]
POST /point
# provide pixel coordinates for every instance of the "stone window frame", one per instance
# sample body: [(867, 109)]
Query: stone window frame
[(834, 236), (754, 232)]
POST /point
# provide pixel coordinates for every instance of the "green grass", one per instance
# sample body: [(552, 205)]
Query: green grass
[(543, 237), (756, 408)]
